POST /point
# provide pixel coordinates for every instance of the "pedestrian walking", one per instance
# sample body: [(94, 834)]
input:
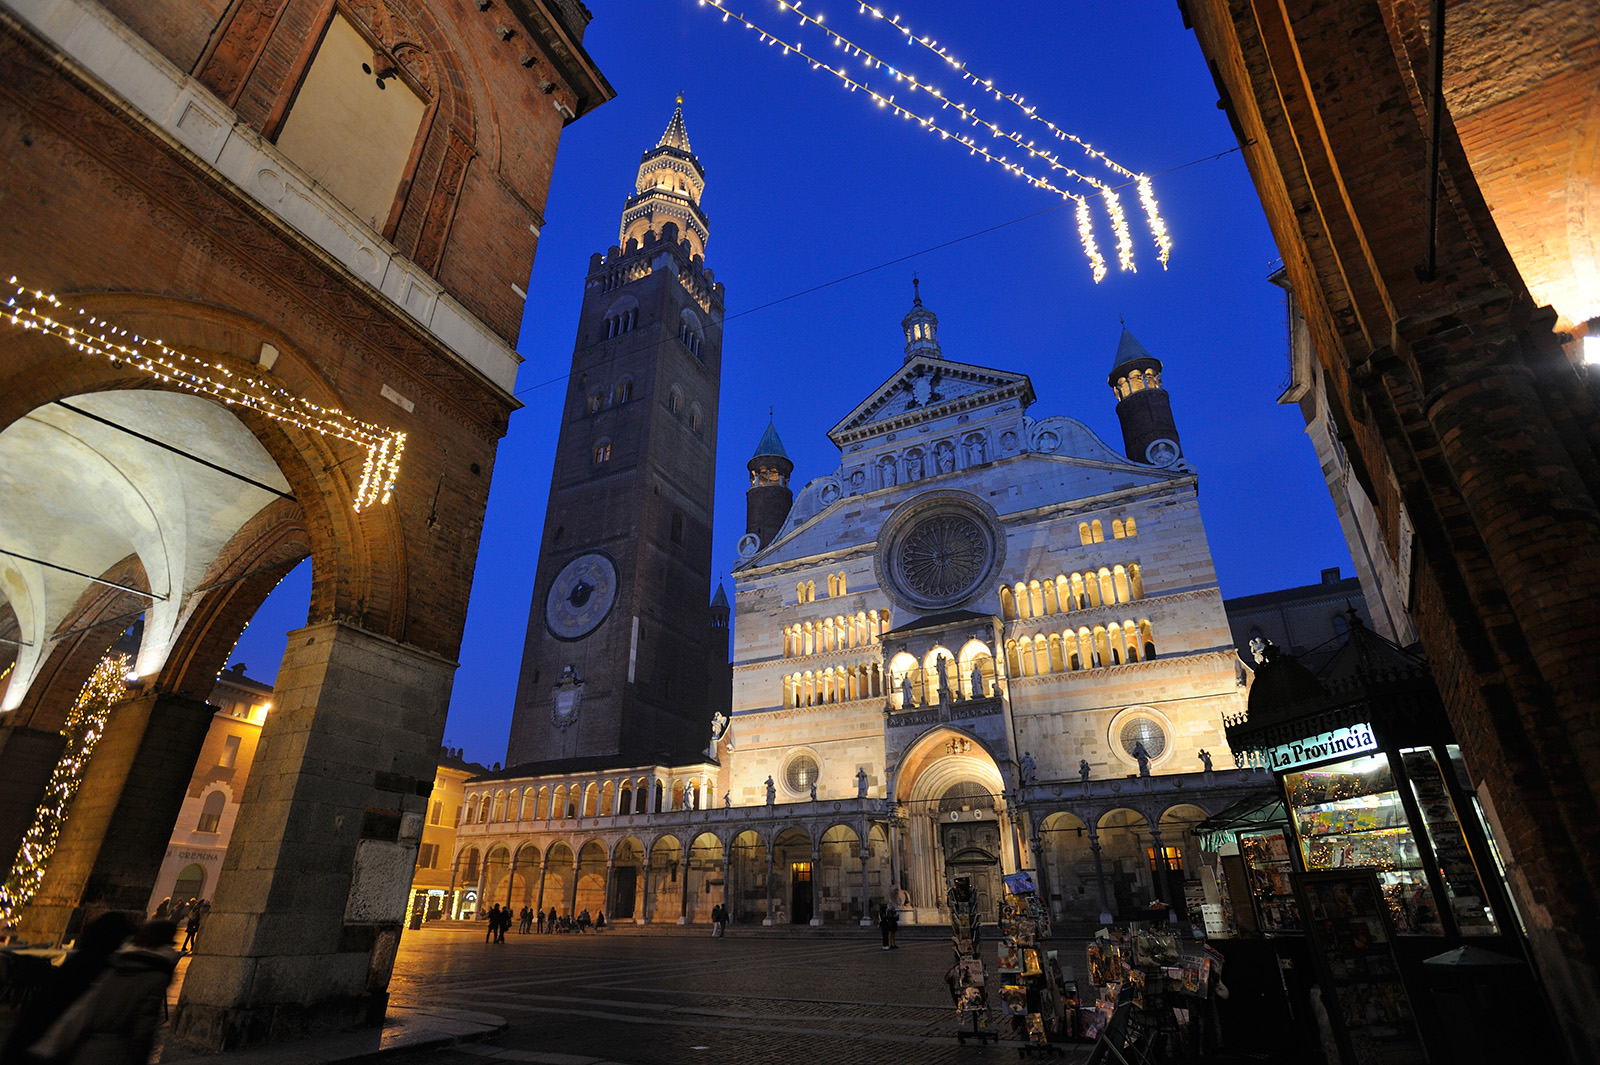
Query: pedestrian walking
[(888, 922), (115, 1022), (584, 920), (493, 917), (716, 921), (66, 983), (600, 922), (191, 927)]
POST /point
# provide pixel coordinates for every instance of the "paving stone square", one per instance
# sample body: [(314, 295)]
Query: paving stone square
[(663, 999)]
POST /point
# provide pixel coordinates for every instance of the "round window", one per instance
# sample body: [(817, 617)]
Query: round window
[(801, 773), (1137, 730)]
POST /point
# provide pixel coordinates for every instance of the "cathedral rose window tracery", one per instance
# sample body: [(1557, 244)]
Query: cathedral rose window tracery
[(943, 555), (939, 551)]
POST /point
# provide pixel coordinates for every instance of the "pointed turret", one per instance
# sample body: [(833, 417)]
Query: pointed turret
[(769, 498), (1149, 433), (921, 327), (670, 184)]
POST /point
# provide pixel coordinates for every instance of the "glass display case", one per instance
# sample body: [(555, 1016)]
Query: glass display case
[(1463, 887), (1350, 814), (1270, 871)]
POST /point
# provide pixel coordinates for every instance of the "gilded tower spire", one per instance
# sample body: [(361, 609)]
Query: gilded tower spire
[(670, 183)]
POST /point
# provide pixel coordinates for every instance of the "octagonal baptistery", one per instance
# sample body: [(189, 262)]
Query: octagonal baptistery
[(983, 600)]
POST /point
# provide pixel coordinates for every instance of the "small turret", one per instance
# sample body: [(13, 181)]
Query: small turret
[(1149, 433), (769, 498), (921, 326)]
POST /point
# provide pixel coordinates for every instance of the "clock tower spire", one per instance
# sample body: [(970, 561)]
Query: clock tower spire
[(615, 662)]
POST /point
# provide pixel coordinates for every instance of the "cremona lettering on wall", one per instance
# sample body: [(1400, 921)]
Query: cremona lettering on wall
[(1352, 740)]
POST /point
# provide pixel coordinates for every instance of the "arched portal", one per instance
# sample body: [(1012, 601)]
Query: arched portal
[(794, 886), (706, 879), (591, 878), (626, 873), (665, 893), (556, 890), (949, 786), (1069, 868), (1125, 856)]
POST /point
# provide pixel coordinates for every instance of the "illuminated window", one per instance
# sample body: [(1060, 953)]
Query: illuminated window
[(801, 773), (1145, 730), (230, 753), (436, 813), (602, 452)]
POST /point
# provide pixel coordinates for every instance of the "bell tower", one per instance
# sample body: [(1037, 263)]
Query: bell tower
[(769, 497), (615, 662), (1149, 433)]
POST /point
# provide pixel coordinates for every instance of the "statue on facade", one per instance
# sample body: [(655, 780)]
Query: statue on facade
[(772, 791), (1143, 758), (727, 800), (861, 783), (945, 456), (906, 701), (813, 791), (1030, 771), (944, 678), (886, 471), (979, 689), (688, 796), (1083, 770), (1205, 760), (902, 898), (914, 466)]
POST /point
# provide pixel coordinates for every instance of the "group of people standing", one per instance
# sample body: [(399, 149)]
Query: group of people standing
[(104, 1003), (499, 918), (186, 915)]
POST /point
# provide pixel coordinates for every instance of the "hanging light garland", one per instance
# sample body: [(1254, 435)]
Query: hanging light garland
[(36, 310), (1147, 196), (1091, 249), (85, 724)]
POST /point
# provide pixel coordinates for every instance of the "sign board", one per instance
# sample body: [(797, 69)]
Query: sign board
[(1324, 745), (1020, 883)]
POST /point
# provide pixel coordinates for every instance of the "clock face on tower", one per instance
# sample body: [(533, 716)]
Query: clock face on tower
[(581, 596)]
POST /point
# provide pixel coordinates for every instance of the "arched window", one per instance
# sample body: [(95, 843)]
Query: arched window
[(1114, 642), (1098, 531), (1008, 604), (595, 402), (1091, 588), (211, 813), (1079, 600), (1130, 636), (623, 393), (1084, 536), (1102, 649), (1058, 664), (1036, 598), (1116, 528), (591, 800), (608, 798), (1013, 662), (1119, 578), (1130, 528), (677, 526), (625, 797), (675, 400), (833, 585), (842, 584), (1135, 581), (800, 592), (1108, 591), (602, 452), (558, 808), (1021, 592), (543, 811), (695, 417), (1070, 649), (639, 797), (660, 794), (1050, 605), (1041, 656), (811, 591), (1147, 638)]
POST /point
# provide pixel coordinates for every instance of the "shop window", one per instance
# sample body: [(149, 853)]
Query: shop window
[(352, 127)]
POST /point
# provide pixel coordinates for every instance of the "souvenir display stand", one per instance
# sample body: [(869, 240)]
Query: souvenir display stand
[(1166, 988), (965, 978), (1030, 988)]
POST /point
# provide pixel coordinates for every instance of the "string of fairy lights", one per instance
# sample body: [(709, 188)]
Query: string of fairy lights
[(1036, 154), (35, 309), (85, 724)]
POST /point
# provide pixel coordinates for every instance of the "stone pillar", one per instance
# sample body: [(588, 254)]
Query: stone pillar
[(644, 898), (866, 898), (894, 851), (27, 758), (511, 879), (1100, 875), (303, 928), (572, 896), (115, 835), (544, 864), (816, 882), (768, 919), (683, 892), (605, 894)]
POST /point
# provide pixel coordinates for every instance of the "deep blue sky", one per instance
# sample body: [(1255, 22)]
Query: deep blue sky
[(807, 183)]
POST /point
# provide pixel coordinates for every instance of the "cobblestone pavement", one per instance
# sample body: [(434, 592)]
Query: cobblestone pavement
[(747, 999)]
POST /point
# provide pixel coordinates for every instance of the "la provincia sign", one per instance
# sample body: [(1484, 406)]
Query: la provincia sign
[(1352, 740)]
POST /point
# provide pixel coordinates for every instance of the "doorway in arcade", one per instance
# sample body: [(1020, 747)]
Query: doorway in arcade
[(969, 837)]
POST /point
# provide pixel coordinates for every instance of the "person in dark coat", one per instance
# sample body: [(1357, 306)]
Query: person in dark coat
[(494, 923), (67, 982), (115, 1022), (888, 923), (192, 926), (551, 927)]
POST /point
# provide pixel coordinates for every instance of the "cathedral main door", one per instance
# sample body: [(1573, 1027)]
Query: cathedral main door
[(972, 850)]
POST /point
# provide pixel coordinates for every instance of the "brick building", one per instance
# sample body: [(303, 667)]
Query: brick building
[(1429, 173), (268, 262)]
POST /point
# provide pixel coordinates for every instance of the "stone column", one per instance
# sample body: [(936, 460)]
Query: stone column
[(572, 896), (683, 892), (894, 851), (605, 895), (307, 916), (816, 893), (1100, 875), (115, 836), (544, 864), (866, 898), (644, 898), (511, 878), (768, 919)]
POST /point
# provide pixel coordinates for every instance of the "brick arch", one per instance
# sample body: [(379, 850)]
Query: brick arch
[(361, 571)]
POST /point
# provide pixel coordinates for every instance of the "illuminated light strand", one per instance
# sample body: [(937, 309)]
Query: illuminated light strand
[(1091, 250), (85, 724), (1152, 213), (383, 446)]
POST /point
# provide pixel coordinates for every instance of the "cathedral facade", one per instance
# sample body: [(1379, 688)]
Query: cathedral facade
[(985, 642)]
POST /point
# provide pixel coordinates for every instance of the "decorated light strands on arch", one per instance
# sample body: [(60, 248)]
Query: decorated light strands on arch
[(36, 310), (1091, 249), (85, 724)]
